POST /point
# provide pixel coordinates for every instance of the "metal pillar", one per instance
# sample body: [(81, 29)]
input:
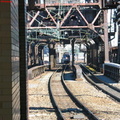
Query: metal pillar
[(29, 52), (72, 42), (40, 55), (106, 37), (23, 61), (118, 59), (52, 55), (36, 54), (118, 21)]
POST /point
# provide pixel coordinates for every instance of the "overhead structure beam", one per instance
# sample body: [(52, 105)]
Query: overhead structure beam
[(82, 15), (68, 27), (96, 17), (69, 4), (68, 13), (34, 18), (51, 16), (59, 13)]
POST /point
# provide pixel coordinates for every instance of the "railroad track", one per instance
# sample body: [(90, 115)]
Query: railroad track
[(66, 105), (112, 91)]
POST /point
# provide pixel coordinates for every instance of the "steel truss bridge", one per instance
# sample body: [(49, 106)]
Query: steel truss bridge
[(61, 21)]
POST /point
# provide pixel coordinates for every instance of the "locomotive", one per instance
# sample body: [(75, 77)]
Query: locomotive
[(66, 58)]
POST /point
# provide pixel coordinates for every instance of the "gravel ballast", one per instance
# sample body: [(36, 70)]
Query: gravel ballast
[(98, 102), (40, 107)]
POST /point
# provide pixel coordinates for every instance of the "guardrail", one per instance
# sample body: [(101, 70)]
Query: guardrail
[(36, 71), (112, 70)]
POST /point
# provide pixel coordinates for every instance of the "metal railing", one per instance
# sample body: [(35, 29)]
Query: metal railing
[(112, 70)]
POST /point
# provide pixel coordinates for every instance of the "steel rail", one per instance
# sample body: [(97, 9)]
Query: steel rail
[(87, 112), (117, 89), (98, 86), (58, 111)]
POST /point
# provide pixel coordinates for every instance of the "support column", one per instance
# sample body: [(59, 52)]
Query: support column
[(88, 54), (40, 55), (118, 21), (52, 56), (73, 52), (118, 59), (33, 54), (28, 54), (23, 61), (36, 54), (106, 37)]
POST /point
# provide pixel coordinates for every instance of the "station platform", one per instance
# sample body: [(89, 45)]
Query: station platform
[(105, 78)]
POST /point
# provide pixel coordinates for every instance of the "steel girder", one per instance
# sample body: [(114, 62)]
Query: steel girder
[(56, 21)]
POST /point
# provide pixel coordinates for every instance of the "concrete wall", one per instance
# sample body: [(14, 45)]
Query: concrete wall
[(13, 76), (36, 71), (9, 62)]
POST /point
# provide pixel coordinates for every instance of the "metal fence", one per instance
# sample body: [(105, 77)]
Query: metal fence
[(112, 70)]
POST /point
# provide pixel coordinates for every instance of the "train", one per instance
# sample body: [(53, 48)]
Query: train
[(66, 58)]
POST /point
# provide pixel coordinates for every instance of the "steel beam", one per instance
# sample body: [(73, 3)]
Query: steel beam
[(72, 44), (63, 27), (69, 4), (51, 16), (82, 15), (66, 16), (106, 37), (34, 18), (118, 57), (62, 16), (96, 17)]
